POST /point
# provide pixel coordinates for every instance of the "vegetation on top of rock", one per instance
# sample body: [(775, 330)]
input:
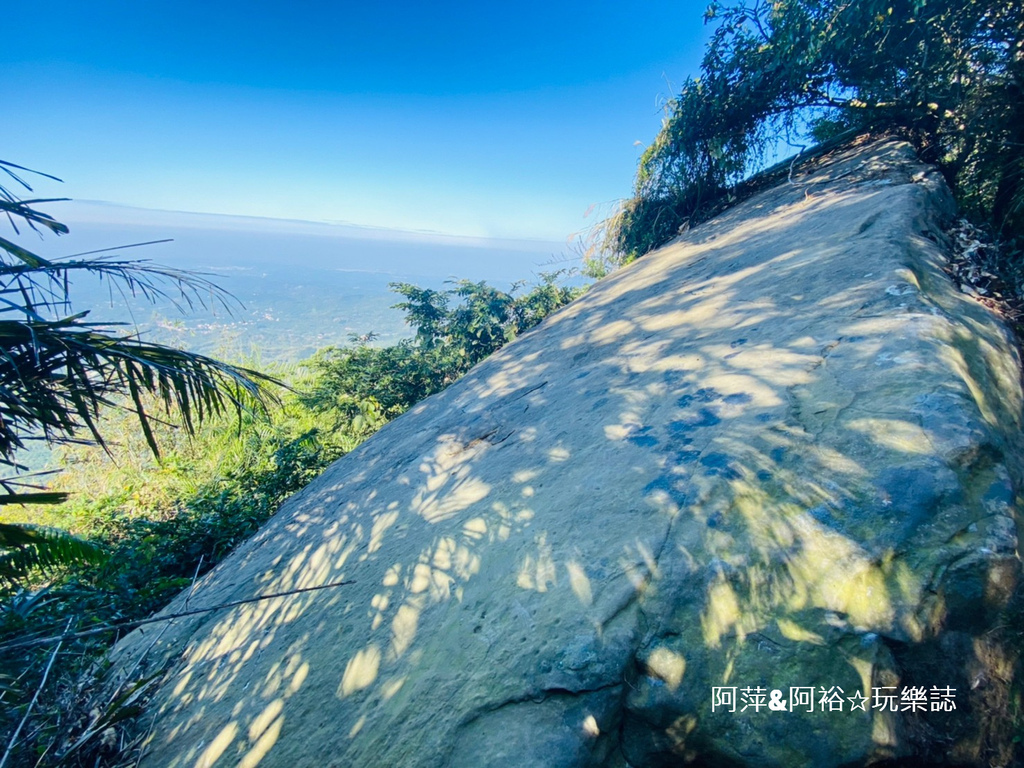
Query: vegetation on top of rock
[(948, 74)]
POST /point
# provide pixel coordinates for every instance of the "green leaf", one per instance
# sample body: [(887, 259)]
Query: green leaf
[(28, 548)]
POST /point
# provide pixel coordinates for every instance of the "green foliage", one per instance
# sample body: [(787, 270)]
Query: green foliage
[(28, 548), (484, 318), (948, 74), (395, 377), (455, 329)]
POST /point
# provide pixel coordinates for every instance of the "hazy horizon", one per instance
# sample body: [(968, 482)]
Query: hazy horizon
[(221, 240), (300, 285)]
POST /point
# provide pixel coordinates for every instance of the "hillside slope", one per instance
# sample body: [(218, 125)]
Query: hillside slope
[(780, 453)]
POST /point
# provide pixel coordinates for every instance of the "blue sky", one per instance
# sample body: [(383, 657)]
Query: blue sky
[(466, 118)]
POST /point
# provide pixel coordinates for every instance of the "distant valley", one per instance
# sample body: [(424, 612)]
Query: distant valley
[(301, 285)]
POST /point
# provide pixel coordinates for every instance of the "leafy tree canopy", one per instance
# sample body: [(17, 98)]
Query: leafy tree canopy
[(948, 74)]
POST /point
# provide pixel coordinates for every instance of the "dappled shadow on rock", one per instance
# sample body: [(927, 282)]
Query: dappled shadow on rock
[(780, 453)]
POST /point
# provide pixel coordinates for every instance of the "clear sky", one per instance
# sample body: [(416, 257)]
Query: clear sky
[(471, 118)]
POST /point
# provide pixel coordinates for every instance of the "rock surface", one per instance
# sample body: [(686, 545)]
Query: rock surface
[(780, 452)]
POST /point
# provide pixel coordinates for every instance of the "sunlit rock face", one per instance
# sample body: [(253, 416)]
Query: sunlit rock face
[(780, 454)]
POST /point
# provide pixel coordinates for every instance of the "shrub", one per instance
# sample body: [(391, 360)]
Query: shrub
[(947, 74)]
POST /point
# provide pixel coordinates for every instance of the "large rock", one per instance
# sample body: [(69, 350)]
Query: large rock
[(781, 452)]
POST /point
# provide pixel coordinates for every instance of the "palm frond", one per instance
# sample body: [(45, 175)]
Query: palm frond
[(28, 548), (56, 375), (57, 369), (12, 206), (40, 285)]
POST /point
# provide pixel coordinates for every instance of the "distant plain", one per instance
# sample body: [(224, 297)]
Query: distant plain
[(300, 286)]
